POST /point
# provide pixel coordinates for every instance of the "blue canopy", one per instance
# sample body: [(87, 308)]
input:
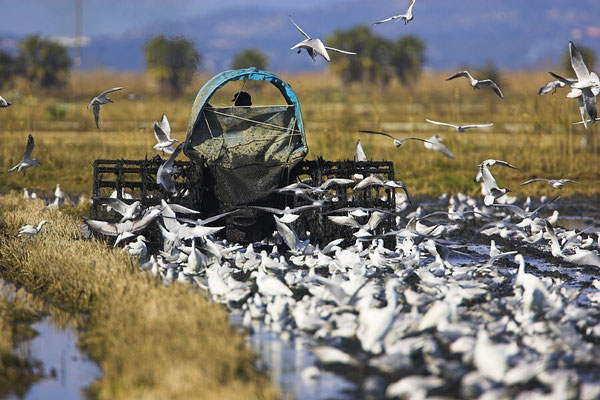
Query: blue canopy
[(218, 81)]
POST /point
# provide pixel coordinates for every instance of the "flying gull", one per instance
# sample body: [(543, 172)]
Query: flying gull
[(162, 132), (488, 163), (163, 176), (98, 101), (435, 143), (478, 83), (397, 142), (555, 183), (4, 103), (26, 160), (459, 128), (407, 17), (315, 46), (491, 187), (359, 153)]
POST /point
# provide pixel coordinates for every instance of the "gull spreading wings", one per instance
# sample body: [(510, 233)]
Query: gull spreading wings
[(98, 101), (476, 84), (555, 183), (406, 17), (459, 128), (397, 142), (162, 133), (26, 160), (315, 46)]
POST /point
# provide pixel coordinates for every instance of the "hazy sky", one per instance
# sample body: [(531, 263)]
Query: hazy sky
[(57, 17)]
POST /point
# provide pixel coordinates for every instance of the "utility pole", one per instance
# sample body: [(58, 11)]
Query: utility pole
[(78, 40)]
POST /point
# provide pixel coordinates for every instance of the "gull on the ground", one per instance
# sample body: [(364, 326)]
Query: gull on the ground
[(397, 142), (58, 193), (359, 153), (315, 46), (162, 133), (555, 183), (406, 17), (26, 160), (31, 230), (476, 84), (489, 163), (4, 103), (98, 101), (459, 128), (490, 186), (435, 143), (163, 176)]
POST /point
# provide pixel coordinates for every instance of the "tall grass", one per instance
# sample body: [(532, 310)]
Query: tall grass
[(151, 341), (533, 132)]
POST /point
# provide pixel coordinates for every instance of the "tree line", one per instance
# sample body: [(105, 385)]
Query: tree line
[(172, 61)]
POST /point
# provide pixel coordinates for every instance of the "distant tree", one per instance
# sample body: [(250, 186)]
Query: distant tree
[(43, 62), (407, 58), (250, 58), (172, 61), (589, 57), (371, 64), (378, 59), (489, 71), (7, 68)]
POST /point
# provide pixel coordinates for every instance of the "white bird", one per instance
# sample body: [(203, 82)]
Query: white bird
[(490, 186), (31, 230), (98, 101), (406, 17), (163, 176), (552, 85), (26, 160), (375, 322), (290, 237), (459, 128), (413, 387), (289, 214), (58, 193), (315, 46), (435, 143), (397, 142), (4, 103), (162, 133), (555, 183), (490, 359), (138, 249), (477, 83), (269, 285), (123, 229), (128, 211), (489, 163), (535, 293), (359, 153)]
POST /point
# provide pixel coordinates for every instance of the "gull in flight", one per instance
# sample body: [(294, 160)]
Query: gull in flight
[(435, 143), (459, 128), (4, 103), (289, 214), (315, 46), (123, 230), (555, 183), (31, 230), (551, 87), (163, 176), (26, 160), (407, 17), (491, 187), (162, 132), (397, 142), (128, 211), (489, 163), (359, 152), (98, 101), (476, 83), (585, 88)]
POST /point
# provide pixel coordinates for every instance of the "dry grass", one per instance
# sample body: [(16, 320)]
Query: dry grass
[(534, 132), (151, 341)]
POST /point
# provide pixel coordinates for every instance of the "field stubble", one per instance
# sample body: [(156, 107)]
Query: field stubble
[(533, 132)]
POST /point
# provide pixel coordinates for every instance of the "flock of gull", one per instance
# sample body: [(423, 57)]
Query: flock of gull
[(408, 308)]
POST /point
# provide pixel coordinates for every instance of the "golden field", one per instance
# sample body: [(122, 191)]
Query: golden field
[(532, 132)]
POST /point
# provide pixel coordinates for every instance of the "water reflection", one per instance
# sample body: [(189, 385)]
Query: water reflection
[(67, 371)]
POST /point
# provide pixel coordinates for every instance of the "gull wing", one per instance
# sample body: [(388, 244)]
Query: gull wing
[(551, 86), (145, 220), (534, 180), (101, 226), (339, 51), (489, 82), (96, 111), (359, 152), (410, 7), (582, 111), (564, 81), (443, 149), (581, 70), (459, 74), (383, 21), (28, 148), (477, 126), (169, 163), (114, 203), (109, 91), (488, 179), (379, 133), (162, 130), (590, 104), (441, 123), (287, 234), (403, 187), (344, 220), (545, 204), (268, 209), (515, 209), (297, 27)]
